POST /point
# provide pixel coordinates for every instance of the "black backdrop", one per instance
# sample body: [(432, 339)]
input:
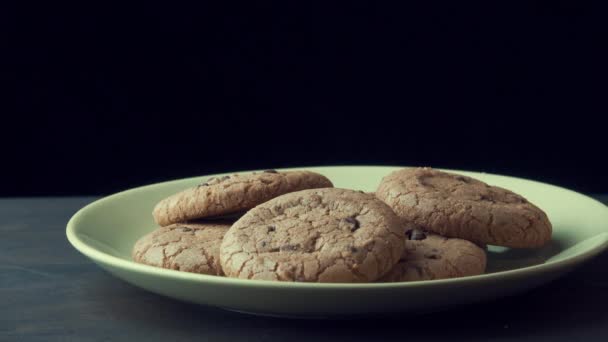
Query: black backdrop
[(100, 99)]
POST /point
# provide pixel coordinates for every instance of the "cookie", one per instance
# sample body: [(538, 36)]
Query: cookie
[(462, 207), (319, 235), (183, 247), (233, 194), (430, 256)]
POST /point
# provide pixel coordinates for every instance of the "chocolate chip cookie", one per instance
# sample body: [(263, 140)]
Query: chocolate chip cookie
[(183, 247), (429, 256), (462, 207), (319, 235), (233, 194)]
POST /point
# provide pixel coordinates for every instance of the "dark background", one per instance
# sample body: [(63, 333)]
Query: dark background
[(98, 99)]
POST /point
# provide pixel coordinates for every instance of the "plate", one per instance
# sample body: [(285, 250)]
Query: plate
[(106, 230)]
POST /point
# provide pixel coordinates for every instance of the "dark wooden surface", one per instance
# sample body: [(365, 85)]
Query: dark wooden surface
[(49, 292)]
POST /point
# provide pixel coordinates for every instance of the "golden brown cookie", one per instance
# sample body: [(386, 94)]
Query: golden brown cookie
[(190, 247), (430, 256), (320, 235), (462, 207), (233, 194)]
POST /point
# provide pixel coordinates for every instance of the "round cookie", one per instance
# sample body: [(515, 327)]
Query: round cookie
[(233, 194), (319, 235), (192, 247), (462, 207), (429, 256)]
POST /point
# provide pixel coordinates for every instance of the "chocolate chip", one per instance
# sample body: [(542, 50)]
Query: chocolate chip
[(415, 234), (210, 181), (276, 249), (271, 229), (186, 229), (361, 191), (418, 235), (224, 178), (263, 244), (354, 249), (290, 247), (486, 198), (463, 179), (352, 222), (432, 256)]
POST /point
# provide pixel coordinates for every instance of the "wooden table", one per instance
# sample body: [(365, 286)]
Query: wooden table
[(50, 292)]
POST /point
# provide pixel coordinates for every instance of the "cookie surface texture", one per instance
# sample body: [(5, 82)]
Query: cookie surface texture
[(183, 247), (220, 196), (462, 207), (429, 256), (321, 235)]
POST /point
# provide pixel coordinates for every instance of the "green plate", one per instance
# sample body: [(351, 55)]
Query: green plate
[(106, 230)]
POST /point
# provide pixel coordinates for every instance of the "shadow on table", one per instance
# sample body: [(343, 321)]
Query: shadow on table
[(557, 308)]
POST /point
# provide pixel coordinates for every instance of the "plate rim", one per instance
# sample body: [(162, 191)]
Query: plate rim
[(107, 259)]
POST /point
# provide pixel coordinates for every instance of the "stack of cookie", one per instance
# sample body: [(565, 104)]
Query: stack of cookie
[(421, 224)]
